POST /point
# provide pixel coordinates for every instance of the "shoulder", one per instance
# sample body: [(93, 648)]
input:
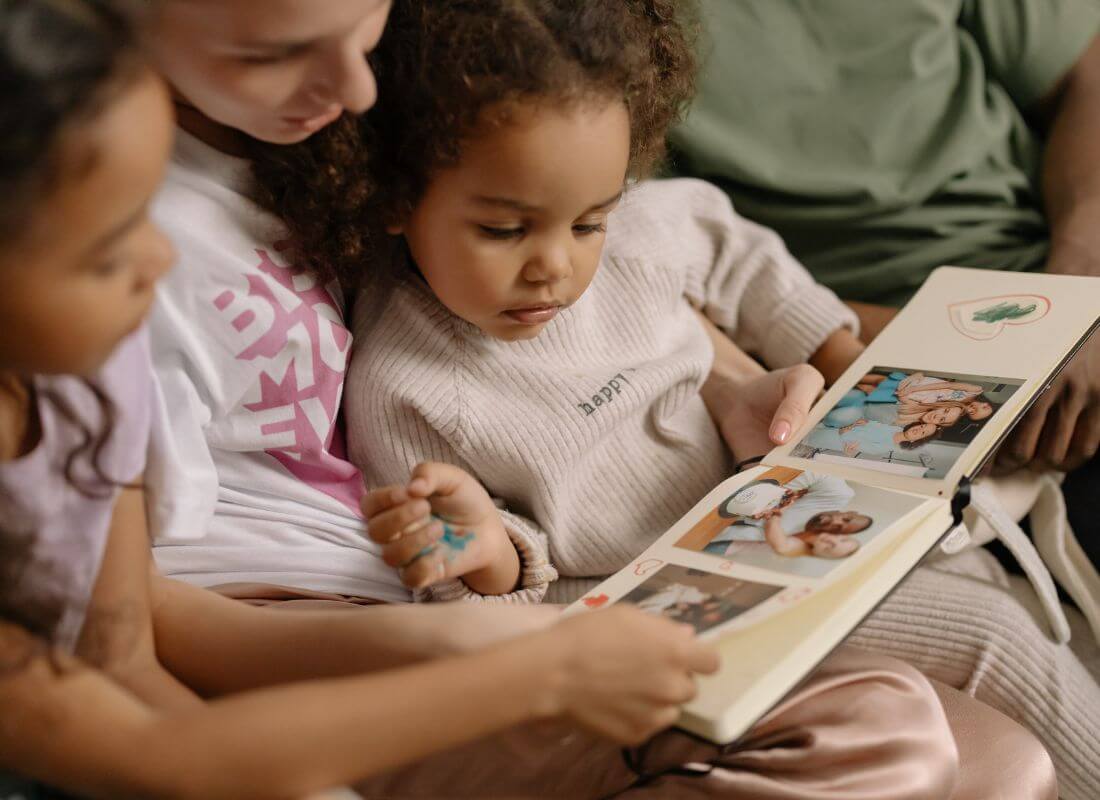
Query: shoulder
[(404, 339), (669, 219), (215, 226)]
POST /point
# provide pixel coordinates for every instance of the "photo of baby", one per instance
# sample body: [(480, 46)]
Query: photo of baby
[(702, 599), (907, 422), (796, 523)]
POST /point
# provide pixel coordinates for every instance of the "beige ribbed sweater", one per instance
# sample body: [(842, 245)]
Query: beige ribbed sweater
[(592, 436)]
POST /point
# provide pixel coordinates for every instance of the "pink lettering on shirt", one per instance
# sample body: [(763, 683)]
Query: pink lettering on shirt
[(307, 334)]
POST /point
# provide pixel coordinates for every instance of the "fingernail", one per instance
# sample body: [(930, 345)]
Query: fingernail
[(413, 527), (781, 431)]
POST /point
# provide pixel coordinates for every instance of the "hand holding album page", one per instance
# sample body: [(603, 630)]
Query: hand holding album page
[(778, 564)]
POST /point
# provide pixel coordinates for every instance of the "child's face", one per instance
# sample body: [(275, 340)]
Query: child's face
[(81, 277), (978, 410), (278, 70), (513, 233), (827, 545)]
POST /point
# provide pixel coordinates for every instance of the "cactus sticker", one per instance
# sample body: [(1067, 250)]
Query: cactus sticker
[(987, 317)]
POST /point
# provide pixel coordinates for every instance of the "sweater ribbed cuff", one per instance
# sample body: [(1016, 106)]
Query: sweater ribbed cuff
[(807, 320), (535, 572)]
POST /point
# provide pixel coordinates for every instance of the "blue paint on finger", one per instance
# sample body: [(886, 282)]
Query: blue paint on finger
[(453, 539)]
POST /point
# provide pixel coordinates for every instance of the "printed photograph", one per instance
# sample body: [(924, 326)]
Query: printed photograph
[(907, 422), (702, 599), (796, 522)]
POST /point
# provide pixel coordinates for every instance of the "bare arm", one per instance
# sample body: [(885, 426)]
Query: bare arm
[(118, 631), (1071, 168), (780, 542), (245, 647), (1062, 429), (620, 672)]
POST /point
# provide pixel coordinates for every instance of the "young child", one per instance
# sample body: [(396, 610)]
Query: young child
[(560, 388)]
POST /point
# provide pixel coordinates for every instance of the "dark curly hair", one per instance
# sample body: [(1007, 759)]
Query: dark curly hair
[(440, 66)]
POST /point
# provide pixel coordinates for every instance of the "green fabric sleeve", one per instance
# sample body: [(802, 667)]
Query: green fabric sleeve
[(1029, 45)]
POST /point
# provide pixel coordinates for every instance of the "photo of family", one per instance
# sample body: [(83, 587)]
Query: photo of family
[(796, 523), (908, 422), (702, 599)]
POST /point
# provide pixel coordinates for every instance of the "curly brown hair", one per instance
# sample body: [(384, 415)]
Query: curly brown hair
[(442, 65)]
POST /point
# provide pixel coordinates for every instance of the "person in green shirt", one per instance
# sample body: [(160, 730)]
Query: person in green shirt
[(883, 139)]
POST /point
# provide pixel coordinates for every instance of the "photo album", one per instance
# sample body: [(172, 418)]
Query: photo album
[(779, 563)]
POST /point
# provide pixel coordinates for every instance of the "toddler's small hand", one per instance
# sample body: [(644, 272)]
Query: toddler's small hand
[(442, 525)]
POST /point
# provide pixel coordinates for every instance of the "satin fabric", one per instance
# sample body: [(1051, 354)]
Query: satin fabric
[(863, 727)]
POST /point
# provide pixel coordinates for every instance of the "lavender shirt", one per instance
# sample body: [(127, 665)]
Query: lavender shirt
[(68, 529)]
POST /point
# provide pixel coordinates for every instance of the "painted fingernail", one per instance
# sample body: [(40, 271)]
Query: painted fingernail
[(781, 431)]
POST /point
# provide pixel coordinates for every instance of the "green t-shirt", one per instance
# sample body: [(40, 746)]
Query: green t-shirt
[(883, 138)]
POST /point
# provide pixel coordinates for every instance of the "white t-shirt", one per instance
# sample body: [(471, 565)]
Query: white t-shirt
[(824, 493), (249, 481)]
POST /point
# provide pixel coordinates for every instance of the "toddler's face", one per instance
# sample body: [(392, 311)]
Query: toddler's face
[(513, 234), (827, 545)]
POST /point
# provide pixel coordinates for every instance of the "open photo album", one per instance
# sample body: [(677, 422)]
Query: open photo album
[(779, 563)]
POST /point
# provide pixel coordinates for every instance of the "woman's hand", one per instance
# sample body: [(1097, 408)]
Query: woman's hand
[(442, 525), (765, 410), (621, 673)]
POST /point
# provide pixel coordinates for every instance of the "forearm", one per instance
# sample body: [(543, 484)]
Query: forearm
[(732, 366), (836, 354), (872, 319), (217, 645), (1071, 171), (274, 743), (286, 742), (777, 538)]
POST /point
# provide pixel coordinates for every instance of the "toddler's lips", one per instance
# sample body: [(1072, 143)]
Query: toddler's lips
[(534, 315)]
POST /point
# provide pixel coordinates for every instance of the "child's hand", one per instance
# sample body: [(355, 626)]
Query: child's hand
[(442, 525), (622, 673), (851, 449), (767, 409)]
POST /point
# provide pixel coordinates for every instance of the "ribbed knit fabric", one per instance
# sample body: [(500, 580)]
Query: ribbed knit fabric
[(962, 622), (593, 435)]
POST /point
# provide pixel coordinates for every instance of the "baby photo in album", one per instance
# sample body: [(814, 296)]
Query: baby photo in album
[(701, 599), (907, 422), (796, 523)]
